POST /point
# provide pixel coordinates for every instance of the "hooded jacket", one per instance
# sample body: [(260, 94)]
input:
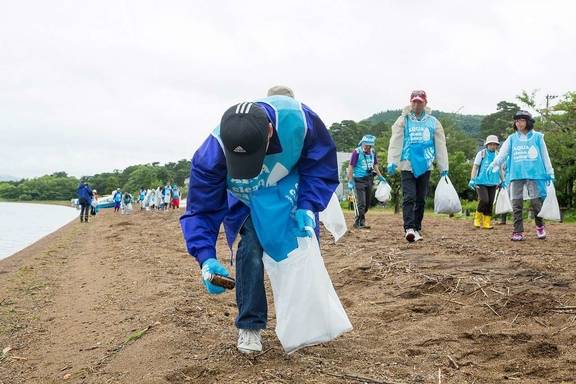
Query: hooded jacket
[(397, 143)]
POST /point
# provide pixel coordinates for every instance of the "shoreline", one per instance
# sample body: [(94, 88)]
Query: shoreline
[(65, 203), (46, 228)]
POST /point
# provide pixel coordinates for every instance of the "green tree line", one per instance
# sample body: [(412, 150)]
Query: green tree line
[(60, 186)]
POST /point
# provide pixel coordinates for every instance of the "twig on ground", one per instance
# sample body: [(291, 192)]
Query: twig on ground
[(540, 322), (482, 289), (358, 378), (497, 291), (439, 376), (263, 353), (512, 323), (343, 269), (564, 308), (453, 362), (563, 329), (445, 299), (571, 324), (492, 309)]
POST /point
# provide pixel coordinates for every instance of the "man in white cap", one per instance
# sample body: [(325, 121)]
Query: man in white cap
[(485, 183), (280, 90), (417, 140)]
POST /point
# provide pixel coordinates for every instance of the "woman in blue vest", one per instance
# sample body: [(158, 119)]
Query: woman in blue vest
[(528, 171), (485, 183), (417, 140), (264, 172), (361, 170)]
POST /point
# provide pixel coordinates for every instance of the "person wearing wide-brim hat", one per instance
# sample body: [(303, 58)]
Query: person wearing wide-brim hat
[(485, 183), (528, 171)]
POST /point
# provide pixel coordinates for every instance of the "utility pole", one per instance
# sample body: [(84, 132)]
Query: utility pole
[(548, 98)]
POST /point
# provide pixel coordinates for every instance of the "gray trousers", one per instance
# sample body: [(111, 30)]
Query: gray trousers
[(517, 187), (363, 186)]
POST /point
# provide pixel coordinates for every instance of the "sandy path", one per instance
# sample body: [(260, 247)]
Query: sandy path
[(119, 301)]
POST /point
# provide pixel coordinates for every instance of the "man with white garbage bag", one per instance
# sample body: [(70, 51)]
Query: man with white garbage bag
[(528, 171), (265, 172), (485, 183), (362, 168), (417, 140)]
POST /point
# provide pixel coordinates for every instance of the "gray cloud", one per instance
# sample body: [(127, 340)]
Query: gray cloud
[(92, 87)]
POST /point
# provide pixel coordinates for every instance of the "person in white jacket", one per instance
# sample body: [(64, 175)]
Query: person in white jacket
[(417, 140)]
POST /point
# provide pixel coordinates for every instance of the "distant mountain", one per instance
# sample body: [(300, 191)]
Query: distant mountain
[(468, 123), (8, 178)]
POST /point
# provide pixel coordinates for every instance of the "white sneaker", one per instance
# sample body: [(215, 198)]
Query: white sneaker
[(249, 340), (417, 236), (410, 235)]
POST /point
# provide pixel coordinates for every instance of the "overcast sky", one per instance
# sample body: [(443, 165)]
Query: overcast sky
[(88, 87)]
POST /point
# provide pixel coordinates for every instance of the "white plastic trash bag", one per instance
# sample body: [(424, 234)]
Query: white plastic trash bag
[(333, 218), (446, 199), (503, 204), (383, 192), (308, 310), (550, 208)]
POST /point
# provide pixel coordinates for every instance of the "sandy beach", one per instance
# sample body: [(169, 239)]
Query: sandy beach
[(118, 300)]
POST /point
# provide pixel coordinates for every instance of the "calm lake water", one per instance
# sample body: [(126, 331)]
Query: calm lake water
[(22, 224)]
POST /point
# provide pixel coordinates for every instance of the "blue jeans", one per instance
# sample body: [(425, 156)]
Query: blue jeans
[(250, 292)]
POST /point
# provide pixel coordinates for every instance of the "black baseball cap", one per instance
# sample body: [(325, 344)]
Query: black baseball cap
[(244, 134)]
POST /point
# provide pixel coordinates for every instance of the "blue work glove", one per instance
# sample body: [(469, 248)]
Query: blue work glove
[(444, 173), (350, 185), (210, 267), (472, 184), (550, 179), (391, 169), (382, 179), (306, 221)]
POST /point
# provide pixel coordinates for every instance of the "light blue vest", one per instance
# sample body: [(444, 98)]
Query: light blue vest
[(484, 177), (365, 163), (418, 145), (525, 160), (272, 195)]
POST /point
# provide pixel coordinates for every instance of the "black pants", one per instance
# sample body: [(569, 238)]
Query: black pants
[(84, 209), (414, 190), (363, 186), (486, 194)]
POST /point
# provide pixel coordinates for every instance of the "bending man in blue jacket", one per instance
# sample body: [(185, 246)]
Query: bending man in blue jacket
[(265, 172)]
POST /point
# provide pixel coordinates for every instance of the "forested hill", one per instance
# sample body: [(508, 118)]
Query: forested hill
[(468, 123)]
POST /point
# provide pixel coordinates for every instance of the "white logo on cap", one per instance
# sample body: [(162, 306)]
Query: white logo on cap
[(239, 149), (243, 107)]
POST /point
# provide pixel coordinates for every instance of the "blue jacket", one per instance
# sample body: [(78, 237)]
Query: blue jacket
[(209, 203), (84, 192)]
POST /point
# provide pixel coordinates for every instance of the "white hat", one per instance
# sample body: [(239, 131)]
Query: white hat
[(280, 90), (492, 139)]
